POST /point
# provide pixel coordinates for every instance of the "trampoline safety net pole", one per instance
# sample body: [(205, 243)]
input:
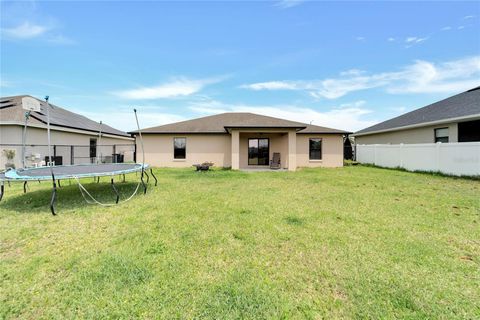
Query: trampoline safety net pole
[(24, 138), (54, 189), (143, 153), (48, 132), (141, 139), (99, 147)]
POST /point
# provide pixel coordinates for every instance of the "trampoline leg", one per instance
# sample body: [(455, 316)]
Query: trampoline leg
[(148, 177), (123, 177), (116, 191), (143, 184), (2, 190), (98, 179), (59, 185), (9, 184), (54, 196), (25, 187), (151, 172)]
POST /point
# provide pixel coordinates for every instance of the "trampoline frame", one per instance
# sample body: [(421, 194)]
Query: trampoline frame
[(13, 175)]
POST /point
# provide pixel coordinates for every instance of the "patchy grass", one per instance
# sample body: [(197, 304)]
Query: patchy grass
[(354, 242)]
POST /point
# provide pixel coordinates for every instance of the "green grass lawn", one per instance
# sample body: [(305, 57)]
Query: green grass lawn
[(353, 242)]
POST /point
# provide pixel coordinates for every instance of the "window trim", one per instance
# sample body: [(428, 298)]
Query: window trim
[(179, 159), (435, 135), (321, 150)]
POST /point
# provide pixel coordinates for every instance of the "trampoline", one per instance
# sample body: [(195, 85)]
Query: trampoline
[(74, 171), (55, 173)]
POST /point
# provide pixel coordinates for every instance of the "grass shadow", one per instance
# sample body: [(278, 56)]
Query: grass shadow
[(424, 172), (68, 196)]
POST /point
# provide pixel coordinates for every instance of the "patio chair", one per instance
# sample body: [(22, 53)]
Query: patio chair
[(275, 162)]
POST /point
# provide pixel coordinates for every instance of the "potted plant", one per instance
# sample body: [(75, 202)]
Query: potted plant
[(10, 155)]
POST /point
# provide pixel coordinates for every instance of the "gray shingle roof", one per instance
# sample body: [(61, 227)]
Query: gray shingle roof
[(461, 105), (11, 110), (220, 123)]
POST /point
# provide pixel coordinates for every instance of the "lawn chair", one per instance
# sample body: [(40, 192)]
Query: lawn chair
[(275, 162)]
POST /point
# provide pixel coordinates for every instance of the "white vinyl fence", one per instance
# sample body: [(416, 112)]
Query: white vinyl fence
[(450, 158)]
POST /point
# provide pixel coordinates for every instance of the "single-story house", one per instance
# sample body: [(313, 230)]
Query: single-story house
[(242, 141), (74, 138), (455, 119)]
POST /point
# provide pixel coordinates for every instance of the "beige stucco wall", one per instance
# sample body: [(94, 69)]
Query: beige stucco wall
[(217, 148), (200, 148), (12, 134), (332, 150), (409, 136)]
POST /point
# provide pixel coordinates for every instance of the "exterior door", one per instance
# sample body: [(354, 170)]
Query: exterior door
[(258, 152)]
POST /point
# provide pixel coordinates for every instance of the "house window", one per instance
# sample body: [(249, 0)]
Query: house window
[(315, 149), (93, 150), (441, 135), (179, 148), (469, 131)]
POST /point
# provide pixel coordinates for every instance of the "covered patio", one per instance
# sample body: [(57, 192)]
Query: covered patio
[(253, 148)]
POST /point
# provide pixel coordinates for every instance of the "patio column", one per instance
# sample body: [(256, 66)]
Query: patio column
[(235, 150), (292, 150)]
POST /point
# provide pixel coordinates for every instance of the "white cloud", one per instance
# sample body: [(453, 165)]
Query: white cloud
[(468, 17), (352, 72), (461, 27), (360, 38), (446, 28), (449, 77), (61, 39), (398, 110), (124, 119), (4, 83), (176, 88), (26, 30), (419, 77), (355, 104), (285, 4), (271, 85), (347, 118), (391, 39), (415, 40)]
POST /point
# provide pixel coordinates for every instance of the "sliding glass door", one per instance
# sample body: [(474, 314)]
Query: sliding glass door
[(258, 152)]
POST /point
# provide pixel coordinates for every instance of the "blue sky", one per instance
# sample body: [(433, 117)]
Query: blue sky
[(345, 65)]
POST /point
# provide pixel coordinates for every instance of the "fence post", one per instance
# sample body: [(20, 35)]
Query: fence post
[(401, 155), (114, 155), (437, 155), (72, 156)]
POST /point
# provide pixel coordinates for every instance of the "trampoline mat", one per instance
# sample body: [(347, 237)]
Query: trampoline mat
[(74, 171)]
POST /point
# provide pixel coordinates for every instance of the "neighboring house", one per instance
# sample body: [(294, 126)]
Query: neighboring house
[(74, 138), (241, 141), (455, 119)]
